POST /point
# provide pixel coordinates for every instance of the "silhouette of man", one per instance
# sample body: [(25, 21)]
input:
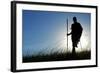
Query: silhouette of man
[(76, 32)]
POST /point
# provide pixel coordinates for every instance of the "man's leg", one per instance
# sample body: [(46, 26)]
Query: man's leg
[(73, 49), (73, 52)]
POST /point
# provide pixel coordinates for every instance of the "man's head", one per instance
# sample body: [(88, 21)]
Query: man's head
[(74, 19)]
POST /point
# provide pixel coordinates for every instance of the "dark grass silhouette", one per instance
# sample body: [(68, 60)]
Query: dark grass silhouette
[(58, 57)]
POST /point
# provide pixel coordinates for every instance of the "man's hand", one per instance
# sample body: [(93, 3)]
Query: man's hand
[(69, 33)]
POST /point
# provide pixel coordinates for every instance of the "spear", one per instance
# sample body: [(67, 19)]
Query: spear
[(67, 33)]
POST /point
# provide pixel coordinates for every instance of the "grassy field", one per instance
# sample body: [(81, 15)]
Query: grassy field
[(58, 57)]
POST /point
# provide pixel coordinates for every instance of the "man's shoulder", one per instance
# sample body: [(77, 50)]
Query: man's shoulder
[(78, 23), (73, 24)]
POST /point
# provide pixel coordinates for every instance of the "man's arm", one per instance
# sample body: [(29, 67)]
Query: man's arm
[(69, 33)]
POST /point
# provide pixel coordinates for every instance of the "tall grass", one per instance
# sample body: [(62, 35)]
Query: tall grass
[(58, 57)]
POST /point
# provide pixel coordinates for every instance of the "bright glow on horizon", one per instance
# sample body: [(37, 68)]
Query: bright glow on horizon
[(83, 45)]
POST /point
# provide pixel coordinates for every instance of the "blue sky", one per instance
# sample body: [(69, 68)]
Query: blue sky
[(42, 29)]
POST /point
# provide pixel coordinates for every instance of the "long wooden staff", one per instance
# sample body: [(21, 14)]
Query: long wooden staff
[(67, 33)]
